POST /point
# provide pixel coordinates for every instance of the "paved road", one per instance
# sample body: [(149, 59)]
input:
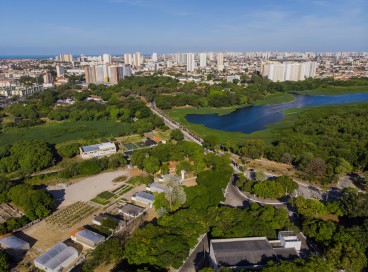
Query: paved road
[(173, 125), (197, 257)]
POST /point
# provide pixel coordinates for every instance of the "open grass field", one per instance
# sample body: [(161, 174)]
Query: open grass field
[(65, 131)]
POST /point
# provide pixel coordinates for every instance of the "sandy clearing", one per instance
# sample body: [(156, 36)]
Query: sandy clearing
[(88, 188)]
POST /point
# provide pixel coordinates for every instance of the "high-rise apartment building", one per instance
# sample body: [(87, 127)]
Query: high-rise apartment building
[(99, 70), (60, 71), (128, 59), (190, 62), (137, 59), (48, 78), (202, 60), (181, 58), (90, 74), (154, 57), (113, 74), (66, 57), (106, 58), (288, 71), (220, 61)]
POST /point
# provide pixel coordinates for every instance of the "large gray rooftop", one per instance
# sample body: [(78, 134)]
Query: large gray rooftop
[(90, 235), (130, 209), (243, 251), (10, 241)]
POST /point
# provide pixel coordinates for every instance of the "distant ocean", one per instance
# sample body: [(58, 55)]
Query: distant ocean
[(27, 57)]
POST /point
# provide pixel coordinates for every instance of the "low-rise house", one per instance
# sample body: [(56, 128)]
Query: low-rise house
[(144, 198), (56, 258), (95, 98), (130, 210), (156, 187), (97, 150), (167, 177), (86, 237), (13, 246)]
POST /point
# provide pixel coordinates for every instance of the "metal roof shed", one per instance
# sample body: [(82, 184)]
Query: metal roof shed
[(13, 245), (88, 238), (58, 257)]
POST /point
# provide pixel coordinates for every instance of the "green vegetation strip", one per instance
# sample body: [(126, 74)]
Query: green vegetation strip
[(65, 131), (103, 198)]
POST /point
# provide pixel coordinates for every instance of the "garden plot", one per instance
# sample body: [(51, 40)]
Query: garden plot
[(70, 215)]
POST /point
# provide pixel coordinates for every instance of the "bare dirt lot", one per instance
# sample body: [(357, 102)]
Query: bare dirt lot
[(87, 188)]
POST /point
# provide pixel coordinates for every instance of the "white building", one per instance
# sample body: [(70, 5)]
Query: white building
[(137, 59), (106, 58), (60, 71), (144, 198), (190, 62), (220, 61), (202, 60), (288, 71), (154, 57), (98, 150), (57, 258), (87, 238), (288, 239), (66, 57), (128, 59), (156, 187)]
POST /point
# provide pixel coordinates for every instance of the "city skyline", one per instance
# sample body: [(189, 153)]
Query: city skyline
[(163, 26)]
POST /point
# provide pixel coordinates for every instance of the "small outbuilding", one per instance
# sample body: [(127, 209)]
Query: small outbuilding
[(156, 187), (144, 198), (56, 258), (86, 237), (130, 210)]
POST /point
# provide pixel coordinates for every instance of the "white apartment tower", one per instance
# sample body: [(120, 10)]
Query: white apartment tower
[(288, 71), (154, 57), (60, 71), (202, 60), (190, 62), (106, 58), (137, 59), (66, 57), (220, 61), (128, 59)]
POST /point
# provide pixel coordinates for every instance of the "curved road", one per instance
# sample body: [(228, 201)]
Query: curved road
[(305, 190)]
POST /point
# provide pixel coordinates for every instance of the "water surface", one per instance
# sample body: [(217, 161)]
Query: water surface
[(254, 118)]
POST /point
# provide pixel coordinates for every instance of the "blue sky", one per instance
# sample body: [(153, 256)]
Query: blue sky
[(119, 26)]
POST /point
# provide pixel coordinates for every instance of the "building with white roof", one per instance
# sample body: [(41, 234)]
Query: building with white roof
[(156, 187), (57, 258), (144, 198), (97, 150), (87, 238)]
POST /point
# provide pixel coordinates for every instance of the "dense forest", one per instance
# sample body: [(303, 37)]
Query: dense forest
[(325, 148)]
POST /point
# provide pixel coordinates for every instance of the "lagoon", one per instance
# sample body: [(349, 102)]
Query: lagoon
[(255, 118)]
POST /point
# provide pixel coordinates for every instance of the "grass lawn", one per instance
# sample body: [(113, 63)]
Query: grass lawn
[(103, 198), (275, 98), (336, 90), (65, 131)]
